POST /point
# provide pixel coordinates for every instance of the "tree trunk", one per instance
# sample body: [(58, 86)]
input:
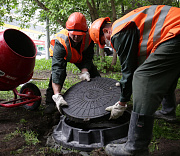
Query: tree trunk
[(47, 38), (92, 10), (113, 10), (114, 18), (96, 50), (114, 60), (101, 53)]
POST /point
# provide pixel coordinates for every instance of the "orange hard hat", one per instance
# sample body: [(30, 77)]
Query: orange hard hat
[(76, 24), (94, 30)]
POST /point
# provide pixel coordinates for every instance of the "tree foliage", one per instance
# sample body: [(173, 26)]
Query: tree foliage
[(58, 11)]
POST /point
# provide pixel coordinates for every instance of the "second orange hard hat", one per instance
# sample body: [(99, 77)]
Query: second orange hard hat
[(94, 30)]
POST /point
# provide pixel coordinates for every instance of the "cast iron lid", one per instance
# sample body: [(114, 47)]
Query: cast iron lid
[(88, 100)]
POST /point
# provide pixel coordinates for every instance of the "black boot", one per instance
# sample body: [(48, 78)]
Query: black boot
[(139, 137), (50, 108), (168, 111), (50, 104)]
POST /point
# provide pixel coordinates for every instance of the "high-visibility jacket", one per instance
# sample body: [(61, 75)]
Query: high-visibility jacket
[(72, 55), (156, 24)]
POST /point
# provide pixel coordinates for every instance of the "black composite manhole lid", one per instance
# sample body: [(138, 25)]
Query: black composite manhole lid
[(88, 100)]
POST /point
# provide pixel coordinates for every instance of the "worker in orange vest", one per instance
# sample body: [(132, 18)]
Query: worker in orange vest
[(73, 45), (147, 41)]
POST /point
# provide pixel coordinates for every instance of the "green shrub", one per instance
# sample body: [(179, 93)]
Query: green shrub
[(105, 66)]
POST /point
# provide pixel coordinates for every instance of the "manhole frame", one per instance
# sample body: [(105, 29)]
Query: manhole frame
[(76, 138)]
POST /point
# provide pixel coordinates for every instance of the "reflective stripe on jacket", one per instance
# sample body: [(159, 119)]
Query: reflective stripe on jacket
[(72, 55), (156, 24)]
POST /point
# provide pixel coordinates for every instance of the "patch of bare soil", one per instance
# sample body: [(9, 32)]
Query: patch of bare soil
[(20, 119)]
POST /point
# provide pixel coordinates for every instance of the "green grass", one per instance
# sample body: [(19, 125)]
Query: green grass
[(43, 64), (12, 135), (29, 136), (41, 84), (178, 84), (166, 130), (72, 68)]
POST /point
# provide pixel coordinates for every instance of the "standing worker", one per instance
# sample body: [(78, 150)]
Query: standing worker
[(73, 45), (147, 41)]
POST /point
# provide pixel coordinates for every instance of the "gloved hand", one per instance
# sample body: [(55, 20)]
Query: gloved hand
[(116, 110), (85, 76), (117, 84), (59, 100)]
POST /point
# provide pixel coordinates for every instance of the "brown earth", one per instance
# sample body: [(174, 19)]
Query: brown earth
[(18, 118)]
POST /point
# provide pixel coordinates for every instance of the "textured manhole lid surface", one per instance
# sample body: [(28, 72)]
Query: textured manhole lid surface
[(88, 100)]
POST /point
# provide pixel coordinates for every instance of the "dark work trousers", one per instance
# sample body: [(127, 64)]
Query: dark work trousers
[(49, 92), (156, 77)]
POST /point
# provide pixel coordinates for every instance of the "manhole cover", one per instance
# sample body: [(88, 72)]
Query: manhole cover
[(88, 100)]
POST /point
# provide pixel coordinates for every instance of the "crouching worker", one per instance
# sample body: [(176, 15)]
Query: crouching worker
[(147, 41), (73, 45)]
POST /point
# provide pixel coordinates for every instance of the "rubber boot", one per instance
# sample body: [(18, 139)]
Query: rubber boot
[(168, 111), (139, 137), (50, 104)]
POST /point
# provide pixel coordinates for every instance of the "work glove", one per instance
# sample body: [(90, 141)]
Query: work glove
[(59, 100), (116, 110), (85, 76), (117, 84)]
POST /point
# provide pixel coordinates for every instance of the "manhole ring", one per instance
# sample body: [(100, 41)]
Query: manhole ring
[(84, 137)]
